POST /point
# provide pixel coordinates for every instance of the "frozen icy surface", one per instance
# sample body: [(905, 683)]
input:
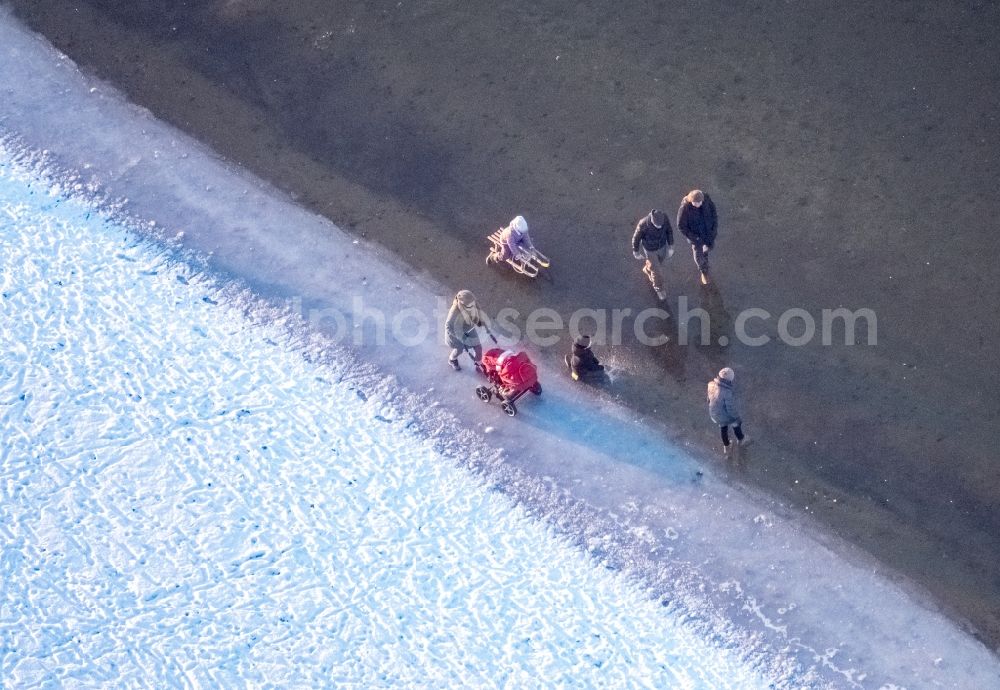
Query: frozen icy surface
[(187, 501), (505, 544)]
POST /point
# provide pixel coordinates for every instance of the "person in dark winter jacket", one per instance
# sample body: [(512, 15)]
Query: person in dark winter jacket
[(724, 408), (653, 240), (583, 362), (697, 221)]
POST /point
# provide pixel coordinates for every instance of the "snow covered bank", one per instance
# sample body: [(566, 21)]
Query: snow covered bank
[(186, 502), (736, 571)]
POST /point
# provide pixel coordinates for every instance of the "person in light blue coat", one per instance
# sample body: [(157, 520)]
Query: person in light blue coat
[(724, 408)]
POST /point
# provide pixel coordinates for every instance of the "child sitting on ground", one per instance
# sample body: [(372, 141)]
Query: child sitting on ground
[(583, 362)]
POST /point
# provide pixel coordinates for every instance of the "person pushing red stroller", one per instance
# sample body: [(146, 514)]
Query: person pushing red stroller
[(511, 375)]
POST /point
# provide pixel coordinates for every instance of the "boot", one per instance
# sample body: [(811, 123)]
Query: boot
[(704, 277), (454, 364), (661, 293)]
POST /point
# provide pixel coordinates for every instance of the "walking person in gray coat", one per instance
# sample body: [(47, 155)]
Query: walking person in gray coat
[(698, 222), (653, 240), (724, 409), (462, 329)]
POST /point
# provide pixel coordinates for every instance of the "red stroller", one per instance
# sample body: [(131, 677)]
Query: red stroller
[(511, 375)]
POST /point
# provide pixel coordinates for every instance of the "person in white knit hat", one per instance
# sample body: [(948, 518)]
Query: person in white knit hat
[(515, 242), (724, 408)]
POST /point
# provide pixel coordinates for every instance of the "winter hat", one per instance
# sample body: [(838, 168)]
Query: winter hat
[(727, 374), (656, 216), (465, 298), (519, 225), (582, 341)]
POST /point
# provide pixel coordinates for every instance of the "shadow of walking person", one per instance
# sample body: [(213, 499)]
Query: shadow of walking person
[(657, 331), (739, 459), (673, 358), (720, 324)]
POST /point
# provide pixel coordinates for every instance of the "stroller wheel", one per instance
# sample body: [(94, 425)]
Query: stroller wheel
[(484, 393), (508, 408), (537, 389)]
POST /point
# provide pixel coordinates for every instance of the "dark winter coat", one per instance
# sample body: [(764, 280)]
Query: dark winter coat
[(584, 360), (650, 237), (722, 405), (698, 225)]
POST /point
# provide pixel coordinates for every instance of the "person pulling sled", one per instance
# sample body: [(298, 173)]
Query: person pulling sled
[(513, 245)]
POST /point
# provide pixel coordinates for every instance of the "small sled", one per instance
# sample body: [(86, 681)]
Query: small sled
[(528, 267), (511, 375)]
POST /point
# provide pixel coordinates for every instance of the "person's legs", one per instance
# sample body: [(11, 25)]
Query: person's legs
[(724, 432), (654, 269), (453, 358), (700, 257), (494, 254), (738, 430)]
